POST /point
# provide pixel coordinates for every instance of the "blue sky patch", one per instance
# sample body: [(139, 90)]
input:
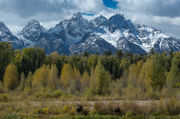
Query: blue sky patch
[(87, 14), (110, 3)]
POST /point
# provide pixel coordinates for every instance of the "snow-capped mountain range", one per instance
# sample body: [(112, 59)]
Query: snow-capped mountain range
[(77, 35)]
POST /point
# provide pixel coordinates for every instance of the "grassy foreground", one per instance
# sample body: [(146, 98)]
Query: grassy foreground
[(15, 116), (162, 109)]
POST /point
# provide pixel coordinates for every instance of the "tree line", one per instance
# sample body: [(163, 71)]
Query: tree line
[(120, 75)]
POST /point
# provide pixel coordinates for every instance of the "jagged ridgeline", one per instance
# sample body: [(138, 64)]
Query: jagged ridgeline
[(77, 35)]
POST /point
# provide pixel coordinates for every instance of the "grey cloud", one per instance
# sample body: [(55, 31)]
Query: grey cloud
[(28, 8), (170, 8)]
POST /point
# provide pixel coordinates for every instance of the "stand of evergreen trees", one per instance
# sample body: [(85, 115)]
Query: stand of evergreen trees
[(120, 75)]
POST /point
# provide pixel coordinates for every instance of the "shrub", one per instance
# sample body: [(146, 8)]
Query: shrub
[(67, 109), (130, 107), (99, 108), (173, 106), (85, 111), (111, 108), (56, 94), (48, 94), (4, 98)]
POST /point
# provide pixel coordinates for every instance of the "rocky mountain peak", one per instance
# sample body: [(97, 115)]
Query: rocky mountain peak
[(77, 15), (32, 30), (2, 24), (34, 22), (57, 29), (117, 18), (3, 29), (101, 18), (76, 28), (100, 21), (33, 26), (7, 36), (118, 21)]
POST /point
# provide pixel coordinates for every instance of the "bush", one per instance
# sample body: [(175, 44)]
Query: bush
[(173, 106), (100, 108), (107, 109), (56, 94), (46, 111), (131, 107), (86, 111), (113, 108), (4, 98), (67, 109)]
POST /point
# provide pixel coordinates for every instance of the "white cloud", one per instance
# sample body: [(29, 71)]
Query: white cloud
[(49, 24), (173, 21), (154, 7), (88, 5)]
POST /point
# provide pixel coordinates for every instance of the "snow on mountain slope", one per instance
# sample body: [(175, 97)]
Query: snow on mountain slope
[(4, 30), (31, 32), (149, 37), (100, 21), (118, 29), (153, 38), (54, 40), (57, 29), (109, 37), (118, 21), (7, 36), (76, 28), (93, 44)]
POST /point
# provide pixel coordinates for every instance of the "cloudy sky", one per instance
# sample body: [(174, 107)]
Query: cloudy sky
[(161, 14)]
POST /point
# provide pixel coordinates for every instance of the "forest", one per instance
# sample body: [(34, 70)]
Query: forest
[(31, 75)]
